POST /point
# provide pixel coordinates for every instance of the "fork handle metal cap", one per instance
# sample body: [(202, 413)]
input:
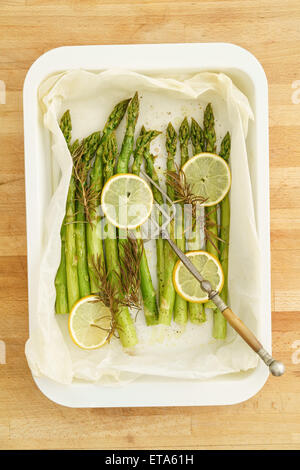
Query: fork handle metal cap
[(276, 368)]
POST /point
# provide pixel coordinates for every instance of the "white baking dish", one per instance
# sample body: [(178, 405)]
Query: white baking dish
[(167, 59)]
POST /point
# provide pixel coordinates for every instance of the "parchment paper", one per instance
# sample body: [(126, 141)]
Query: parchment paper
[(172, 352)]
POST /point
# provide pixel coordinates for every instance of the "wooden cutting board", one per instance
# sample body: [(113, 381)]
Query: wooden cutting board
[(270, 30)]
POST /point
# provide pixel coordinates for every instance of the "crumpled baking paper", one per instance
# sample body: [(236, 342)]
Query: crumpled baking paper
[(171, 352)]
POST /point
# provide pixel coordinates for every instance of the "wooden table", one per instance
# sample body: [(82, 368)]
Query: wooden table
[(270, 30)]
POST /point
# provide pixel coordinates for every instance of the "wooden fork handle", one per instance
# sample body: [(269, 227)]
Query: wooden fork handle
[(242, 329)]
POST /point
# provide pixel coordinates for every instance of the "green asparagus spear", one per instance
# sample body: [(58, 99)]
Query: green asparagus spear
[(70, 246), (211, 212), (66, 127), (171, 146), (127, 149), (144, 139), (148, 291), (83, 273), (220, 324), (196, 311), (184, 136), (225, 147), (115, 118), (212, 219), (128, 141), (150, 170), (93, 229), (90, 145), (109, 156), (181, 306), (61, 303), (209, 129), (125, 325), (68, 233), (168, 296), (197, 137)]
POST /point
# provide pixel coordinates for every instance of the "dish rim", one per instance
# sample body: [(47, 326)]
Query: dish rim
[(165, 57)]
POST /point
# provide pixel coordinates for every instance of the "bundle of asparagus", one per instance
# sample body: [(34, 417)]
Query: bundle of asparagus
[(168, 295), (82, 240), (217, 234), (148, 291), (150, 169), (196, 311), (124, 321), (94, 238), (217, 245), (220, 324), (86, 262), (181, 307)]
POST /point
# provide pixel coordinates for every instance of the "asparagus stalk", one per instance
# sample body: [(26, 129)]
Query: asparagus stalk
[(171, 146), (66, 127), (184, 136), (61, 303), (196, 311), (70, 246), (168, 295), (83, 273), (220, 324), (219, 331), (211, 212), (90, 145), (181, 306), (144, 139), (124, 322), (128, 141), (115, 118), (148, 291), (126, 151), (197, 137), (109, 156), (70, 259), (150, 170), (209, 129), (93, 229)]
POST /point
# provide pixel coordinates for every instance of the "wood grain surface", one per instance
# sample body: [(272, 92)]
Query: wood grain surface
[(270, 30)]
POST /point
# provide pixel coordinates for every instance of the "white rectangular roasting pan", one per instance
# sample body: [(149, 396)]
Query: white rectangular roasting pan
[(248, 75)]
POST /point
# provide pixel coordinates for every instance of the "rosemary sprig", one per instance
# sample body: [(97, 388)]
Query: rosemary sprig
[(184, 195), (129, 277), (86, 193), (183, 191), (125, 290)]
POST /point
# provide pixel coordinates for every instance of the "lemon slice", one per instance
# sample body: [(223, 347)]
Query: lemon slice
[(90, 323), (187, 286), (126, 201), (208, 176)]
